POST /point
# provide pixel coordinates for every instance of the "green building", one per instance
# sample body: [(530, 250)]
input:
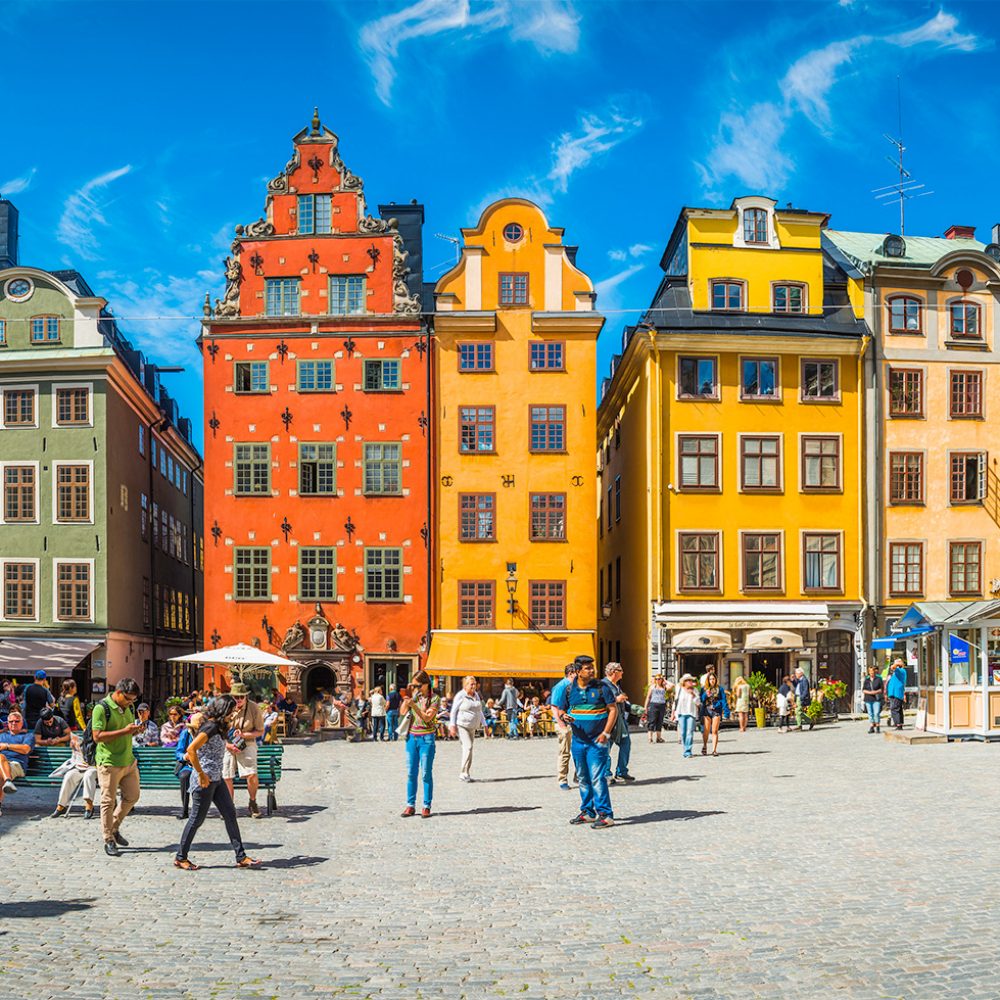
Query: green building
[(101, 545)]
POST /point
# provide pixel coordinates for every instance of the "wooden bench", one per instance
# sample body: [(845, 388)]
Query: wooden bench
[(156, 769)]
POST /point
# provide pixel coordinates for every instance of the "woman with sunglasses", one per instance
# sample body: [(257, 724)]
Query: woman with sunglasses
[(421, 708)]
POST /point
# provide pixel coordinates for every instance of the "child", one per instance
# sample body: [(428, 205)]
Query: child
[(534, 714), (785, 699)]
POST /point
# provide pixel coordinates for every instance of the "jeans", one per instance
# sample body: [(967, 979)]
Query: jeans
[(420, 757), (201, 802), (378, 727), (685, 725), (874, 709), (185, 779), (391, 722), (896, 711), (624, 753), (593, 762), (512, 724)]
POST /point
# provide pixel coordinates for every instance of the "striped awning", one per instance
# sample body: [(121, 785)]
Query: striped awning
[(57, 657)]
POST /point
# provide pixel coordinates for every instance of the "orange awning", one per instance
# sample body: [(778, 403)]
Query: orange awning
[(502, 654)]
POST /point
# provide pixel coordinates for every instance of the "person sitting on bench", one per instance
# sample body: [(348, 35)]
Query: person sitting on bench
[(15, 745)]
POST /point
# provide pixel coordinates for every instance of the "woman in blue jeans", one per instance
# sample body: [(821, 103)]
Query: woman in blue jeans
[(421, 707), (874, 692), (687, 707)]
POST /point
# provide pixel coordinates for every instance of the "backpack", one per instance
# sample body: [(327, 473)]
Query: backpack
[(66, 709), (88, 745)]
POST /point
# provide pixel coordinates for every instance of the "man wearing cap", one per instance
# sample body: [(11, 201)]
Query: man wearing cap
[(149, 735), (589, 708), (563, 730), (895, 690), (241, 758), (51, 729), (613, 679), (36, 696), (15, 745)]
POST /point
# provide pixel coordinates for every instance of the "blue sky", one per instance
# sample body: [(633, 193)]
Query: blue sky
[(138, 134)]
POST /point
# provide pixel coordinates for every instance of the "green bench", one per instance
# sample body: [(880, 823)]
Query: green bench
[(156, 769)]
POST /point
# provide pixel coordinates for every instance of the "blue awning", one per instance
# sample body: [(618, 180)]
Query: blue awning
[(888, 641)]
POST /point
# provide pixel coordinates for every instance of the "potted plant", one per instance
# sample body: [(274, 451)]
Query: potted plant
[(814, 711), (832, 691), (762, 692)]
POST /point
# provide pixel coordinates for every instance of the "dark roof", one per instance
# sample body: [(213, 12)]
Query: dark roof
[(75, 281)]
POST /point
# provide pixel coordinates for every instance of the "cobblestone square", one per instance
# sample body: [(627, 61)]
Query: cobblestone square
[(799, 865)]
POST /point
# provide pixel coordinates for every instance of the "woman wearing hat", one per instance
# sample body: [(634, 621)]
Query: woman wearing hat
[(686, 709)]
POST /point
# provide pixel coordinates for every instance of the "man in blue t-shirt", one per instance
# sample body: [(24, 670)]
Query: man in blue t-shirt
[(588, 707), (895, 690)]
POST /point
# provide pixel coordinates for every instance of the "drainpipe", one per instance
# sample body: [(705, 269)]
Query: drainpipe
[(194, 565), (430, 504)]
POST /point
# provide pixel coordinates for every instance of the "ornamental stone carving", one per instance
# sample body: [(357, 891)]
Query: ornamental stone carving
[(294, 637), (230, 303), (369, 225), (255, 230)]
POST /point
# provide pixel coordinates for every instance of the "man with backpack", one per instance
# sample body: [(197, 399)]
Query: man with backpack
[(112, 727)]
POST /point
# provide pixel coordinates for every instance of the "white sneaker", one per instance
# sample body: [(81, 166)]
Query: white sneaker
[(464, 777), (9, 788)]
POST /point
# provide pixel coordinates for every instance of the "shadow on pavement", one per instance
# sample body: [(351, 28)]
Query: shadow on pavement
[(297, 861), (666, 815), (517, 777), (741, 753), (486, 810), (197, 846), (297, 814), (666, 779), (34, 908)]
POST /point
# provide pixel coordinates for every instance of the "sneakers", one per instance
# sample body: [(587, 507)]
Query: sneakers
[(425, 813), (464, 777), (603, 822), (253, 810), (565, 787), (871, 729), (408, 811), (625, 777), (614, 779), (581, 819), (9, 788)]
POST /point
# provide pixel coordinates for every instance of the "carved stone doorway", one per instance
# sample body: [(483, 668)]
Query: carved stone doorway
[(319, 675)]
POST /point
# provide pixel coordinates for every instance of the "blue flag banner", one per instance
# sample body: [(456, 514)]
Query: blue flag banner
[(958, 650)]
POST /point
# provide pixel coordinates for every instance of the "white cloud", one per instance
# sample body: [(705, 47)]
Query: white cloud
[(618, 255), (635, 250), (17, 184), (597, 134), (83, 211), (550, 25), (747, 144), (610, 284)]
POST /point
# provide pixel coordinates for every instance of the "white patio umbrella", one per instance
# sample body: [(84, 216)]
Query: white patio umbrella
[(244, 660)]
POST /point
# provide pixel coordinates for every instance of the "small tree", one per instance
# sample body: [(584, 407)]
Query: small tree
[(762, 691)]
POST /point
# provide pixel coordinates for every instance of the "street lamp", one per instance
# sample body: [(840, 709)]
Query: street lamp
[(511, 582)]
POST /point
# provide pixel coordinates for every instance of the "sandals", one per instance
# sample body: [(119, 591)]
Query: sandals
[(248, 862), (715, 753), (185, 865), (704, 751)]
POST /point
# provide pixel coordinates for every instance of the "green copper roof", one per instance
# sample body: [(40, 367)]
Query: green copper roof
[(921, 251)]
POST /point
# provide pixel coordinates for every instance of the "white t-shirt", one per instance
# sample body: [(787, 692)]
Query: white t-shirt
[(378, 704)]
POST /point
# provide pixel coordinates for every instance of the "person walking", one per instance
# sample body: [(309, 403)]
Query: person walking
[(874, 691), (206, 755), (784, 699), (392, 702), (895, 689), (378, 714), (621, 736), (687, 708), (113, 725), (563, 730), (466, 717), (509, 703), (421, 707), (241, 758), (183, 768), (588, 706), (656, 708), (714, 708), (803, 697), (741, 701)]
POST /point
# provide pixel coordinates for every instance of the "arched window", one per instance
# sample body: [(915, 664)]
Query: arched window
[(755, 225), (905, 314), (965, 320)]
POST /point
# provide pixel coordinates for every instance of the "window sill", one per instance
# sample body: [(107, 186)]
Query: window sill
[(477, 371), (315, 392), (384, 600), (252, 600), (252, 496), (316, 496), (557, 541), (965, 503), (907, 503), (964, 594), (824, 591), (967, 345), (251, 392), (907, 416), (473, 453), (699, 590), (476, 541), (698, 399), (547, 451), (821, 401), (544, 371), (765, 490), (906, 333), (375, 496), (379, 392), (966, 416), (700, 489), (760, 399), (906, 597), (830, 490)]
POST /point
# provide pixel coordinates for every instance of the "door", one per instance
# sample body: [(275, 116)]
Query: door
[(387, 672), (772, 665), (835, 658)]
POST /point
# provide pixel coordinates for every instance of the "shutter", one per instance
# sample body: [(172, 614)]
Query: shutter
[(981, 476)]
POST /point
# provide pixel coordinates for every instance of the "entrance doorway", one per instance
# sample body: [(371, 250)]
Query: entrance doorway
[(835, 658), (386, 672), (318, 676), (772, 665), (697, 663)]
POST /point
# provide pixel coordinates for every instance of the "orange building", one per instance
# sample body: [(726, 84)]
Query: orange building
[(316, 437)]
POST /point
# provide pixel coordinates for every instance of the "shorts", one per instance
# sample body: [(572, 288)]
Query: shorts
[(243, 763), (16, 769)]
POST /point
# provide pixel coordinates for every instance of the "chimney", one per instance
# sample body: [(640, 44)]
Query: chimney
[(8, 234), (996, 232), (960, 233)]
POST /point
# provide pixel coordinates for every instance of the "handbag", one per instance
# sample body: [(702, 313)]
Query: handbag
[(403, 729)]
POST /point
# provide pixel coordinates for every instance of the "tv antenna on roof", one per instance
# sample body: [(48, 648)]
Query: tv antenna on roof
[(907, 187), (455, 242)]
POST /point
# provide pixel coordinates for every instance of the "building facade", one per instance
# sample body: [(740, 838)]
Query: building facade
[(100, 525), (731, 451), (933, 488), (317, 428), (515, 494)]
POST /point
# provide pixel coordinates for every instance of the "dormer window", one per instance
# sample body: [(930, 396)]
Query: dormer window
[(965, 320), (727, 296), (904, 314), (894, 246), (314, 213), (788, 298), (755, 225)]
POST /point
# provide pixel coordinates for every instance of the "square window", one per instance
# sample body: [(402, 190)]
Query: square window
[(966, 397), (820, 380), (727, 296), (348, 294), (906, 477), (906, 392), (548, 428), (314, 376), (964, 560), (281, 296), (476, 429), (477, 517), (760, 463), (904, 314), (968, 477), (383, 574), (252, 570), (547, 356), (699, 560), (383, 469), (317, 470), (382, 376), (698, 378), (548, 517), (514, 289), (759, 378), (965, 320), (44, 329), (821, 463), (788, 298), (317, 574), (475, 357), (761, 561), (19, 407), (821, 560), (906, 569), (699, 462), (72, 406), (250, 376), (476, 604), (252, 469), (548, 603)]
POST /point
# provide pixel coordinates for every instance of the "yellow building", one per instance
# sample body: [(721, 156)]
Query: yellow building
[(513, 457), (931, 304), (730, 439)]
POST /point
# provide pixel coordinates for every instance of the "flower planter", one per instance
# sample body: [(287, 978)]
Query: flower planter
[(760, 716)]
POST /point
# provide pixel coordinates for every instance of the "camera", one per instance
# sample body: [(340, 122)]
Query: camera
[(239, 743)]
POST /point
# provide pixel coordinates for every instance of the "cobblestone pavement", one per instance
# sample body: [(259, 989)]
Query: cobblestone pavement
[(798, 865)]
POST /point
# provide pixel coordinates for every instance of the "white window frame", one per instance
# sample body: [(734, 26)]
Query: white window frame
[(756, 201), (38, 491), (38, 582), (56, 386), (12, 386), (56, 563), (54, 486)]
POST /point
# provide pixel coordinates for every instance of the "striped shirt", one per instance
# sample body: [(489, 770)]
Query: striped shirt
[(588, 709), (417, 725)]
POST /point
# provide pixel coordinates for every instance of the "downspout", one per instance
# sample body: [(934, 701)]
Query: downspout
[(865, 554), (431, 539), (195, 606)]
